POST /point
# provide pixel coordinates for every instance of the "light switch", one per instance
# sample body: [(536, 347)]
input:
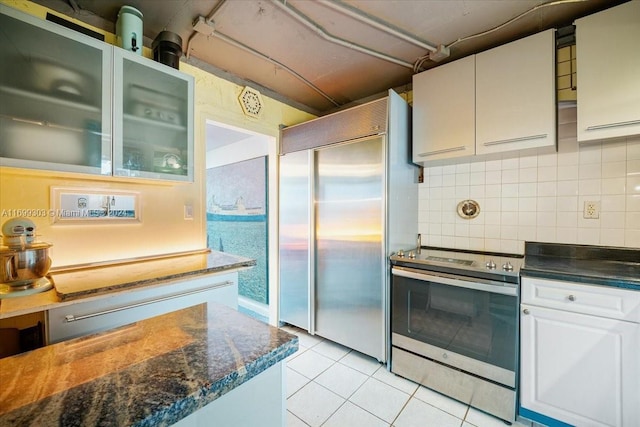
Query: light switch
[(188, 211)]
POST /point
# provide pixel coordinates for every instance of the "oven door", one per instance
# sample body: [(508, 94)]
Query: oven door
[(469, 324)]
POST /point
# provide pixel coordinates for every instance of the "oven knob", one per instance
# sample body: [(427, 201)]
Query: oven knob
[(490, 265), (412, 254), (400, 253), (507, 266)]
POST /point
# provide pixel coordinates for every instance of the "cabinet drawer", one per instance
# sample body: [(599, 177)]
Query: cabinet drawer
[(119, 309), (603, 301)]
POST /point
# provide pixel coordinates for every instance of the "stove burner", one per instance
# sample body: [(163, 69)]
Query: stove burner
[(488, 265), (452, 260)]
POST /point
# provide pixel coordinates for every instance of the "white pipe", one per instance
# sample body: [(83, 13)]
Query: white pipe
[(344, 9), (252, 51), (273, 61), (319, 31), (540, 6)]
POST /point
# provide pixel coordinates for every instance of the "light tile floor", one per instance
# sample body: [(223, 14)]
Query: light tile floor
[(332, 386)]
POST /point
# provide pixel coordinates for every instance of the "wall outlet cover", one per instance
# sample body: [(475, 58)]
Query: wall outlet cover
[(591, 210)]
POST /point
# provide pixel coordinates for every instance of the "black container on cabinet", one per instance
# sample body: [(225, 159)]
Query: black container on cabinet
[(167, 49)]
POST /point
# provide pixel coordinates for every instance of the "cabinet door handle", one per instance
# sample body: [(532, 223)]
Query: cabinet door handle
[(525, 311), (444, 150), (71, 318), (613, 125), (522, 138), (571, 298)]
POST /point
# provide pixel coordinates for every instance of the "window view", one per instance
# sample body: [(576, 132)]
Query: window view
[(237, 220)]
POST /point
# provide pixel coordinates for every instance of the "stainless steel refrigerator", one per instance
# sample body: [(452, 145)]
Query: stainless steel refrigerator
[(348, 198)]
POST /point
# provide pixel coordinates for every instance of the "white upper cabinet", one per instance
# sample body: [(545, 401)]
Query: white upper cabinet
[(55, 92), (153, 111), (608, 60), (444, 111), (515, 95), (499, 100), (75, 104)]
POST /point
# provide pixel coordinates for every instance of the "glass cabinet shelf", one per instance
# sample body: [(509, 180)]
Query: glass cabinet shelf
[(156, 106), (76, 104), (8, 92)]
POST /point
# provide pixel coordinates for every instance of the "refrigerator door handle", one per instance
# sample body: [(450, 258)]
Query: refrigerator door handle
[(312, 247)]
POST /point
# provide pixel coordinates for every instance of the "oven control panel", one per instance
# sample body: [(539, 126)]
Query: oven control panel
[(468, 261)]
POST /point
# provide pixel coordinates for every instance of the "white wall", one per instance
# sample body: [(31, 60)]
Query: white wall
[(537, 197)]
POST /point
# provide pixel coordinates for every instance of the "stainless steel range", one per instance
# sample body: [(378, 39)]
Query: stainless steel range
[(454, 324)]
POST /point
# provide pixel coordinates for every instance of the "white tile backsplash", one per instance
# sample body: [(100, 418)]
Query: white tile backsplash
[(614, 151), (537, 197), (632, 238), (591, 171), (568, 172), (613, 186), (568, 188), (633, 148), (547, 173), (546, 189), (527, 189), (567, 203), (510, 176), (590, 154), (529, 174), (510, 163), (613, 203), (614, 169), (548, 160), (546, 203), (493, 177)]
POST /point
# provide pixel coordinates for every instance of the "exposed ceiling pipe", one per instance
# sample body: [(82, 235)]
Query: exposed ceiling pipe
[(208, 21), (420, 61), (215, 10), (206, 27), (273, 61), (533, 9), (374, 22), (322, 33)]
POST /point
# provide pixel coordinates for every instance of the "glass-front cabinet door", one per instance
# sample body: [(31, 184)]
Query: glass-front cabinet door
[(153, 114), (55, 97)]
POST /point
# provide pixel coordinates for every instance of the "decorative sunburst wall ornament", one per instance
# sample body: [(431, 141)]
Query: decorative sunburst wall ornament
[(251, 102)]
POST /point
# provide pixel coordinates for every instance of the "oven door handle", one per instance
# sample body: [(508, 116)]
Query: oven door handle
[(476, 284)]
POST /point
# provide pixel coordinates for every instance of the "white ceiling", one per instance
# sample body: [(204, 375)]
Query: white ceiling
[(218, 136), (294, 50)]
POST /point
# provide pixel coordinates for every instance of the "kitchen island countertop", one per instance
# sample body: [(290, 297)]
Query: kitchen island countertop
[(95, 281), (153, 372)]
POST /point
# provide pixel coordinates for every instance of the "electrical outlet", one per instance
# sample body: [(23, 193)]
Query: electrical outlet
[(591, 210)]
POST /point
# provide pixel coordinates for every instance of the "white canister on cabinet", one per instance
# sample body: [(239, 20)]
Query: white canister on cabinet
[(129, 29)]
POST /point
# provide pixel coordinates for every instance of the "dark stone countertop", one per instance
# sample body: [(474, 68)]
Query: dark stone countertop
[(598, 265), (101, 279), (150, 373), (94, 280)]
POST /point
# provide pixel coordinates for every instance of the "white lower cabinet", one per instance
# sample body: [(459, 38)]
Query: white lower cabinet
[(122, 308), (577, 367)]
